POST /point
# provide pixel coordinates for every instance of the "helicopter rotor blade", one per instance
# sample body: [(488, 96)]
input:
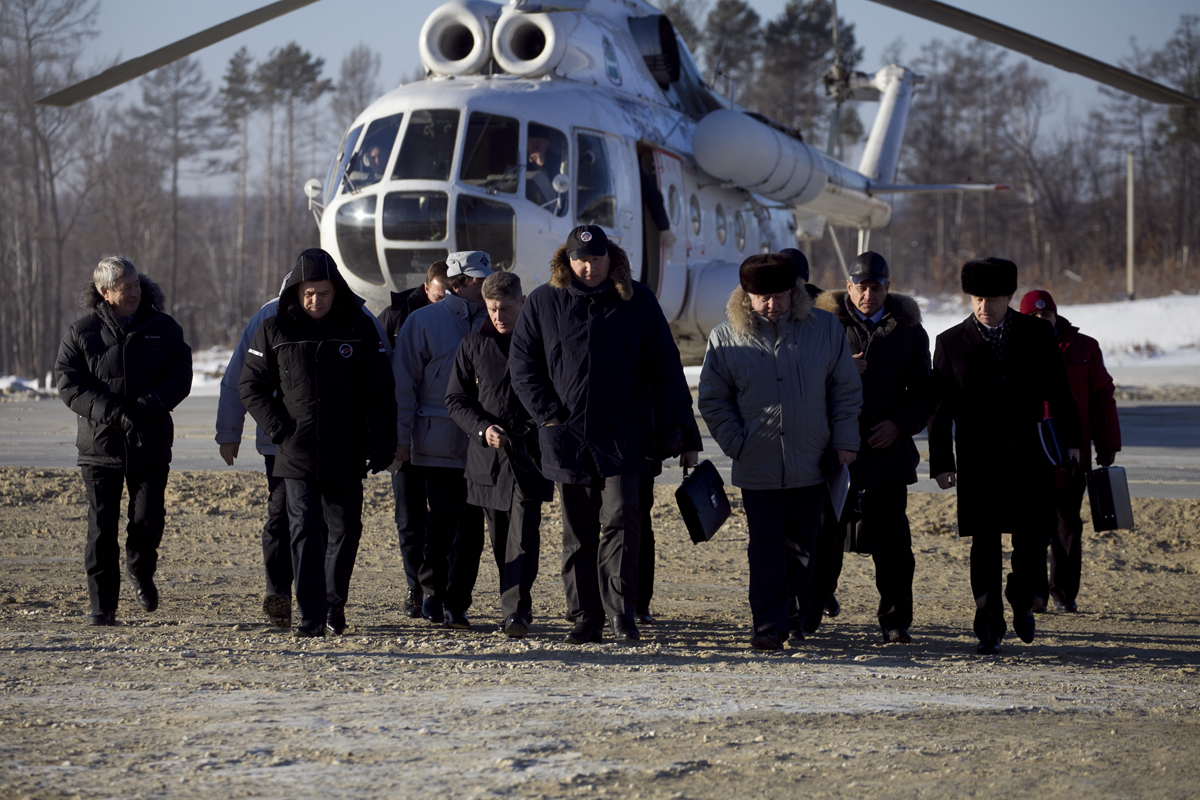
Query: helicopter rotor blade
[(1041, 50), (137, 67)]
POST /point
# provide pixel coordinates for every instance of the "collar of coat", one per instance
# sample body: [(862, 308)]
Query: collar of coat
[(90, 298), (741, 315), (619, 271), (899, 307), (1064, 330)]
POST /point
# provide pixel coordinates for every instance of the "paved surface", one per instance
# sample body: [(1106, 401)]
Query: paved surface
[(1161, 452)]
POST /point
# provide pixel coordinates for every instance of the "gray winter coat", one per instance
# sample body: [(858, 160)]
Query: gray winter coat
[(777, 396), (422, 364)]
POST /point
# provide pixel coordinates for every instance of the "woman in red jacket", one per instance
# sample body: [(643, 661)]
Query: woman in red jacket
[(1092, 387)]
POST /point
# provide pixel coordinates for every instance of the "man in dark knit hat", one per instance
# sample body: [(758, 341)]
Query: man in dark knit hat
[(993, 375), (779, 390), (1092, 388)]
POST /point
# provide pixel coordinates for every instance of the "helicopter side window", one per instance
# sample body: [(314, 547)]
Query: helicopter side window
[(597, 201), (545, 160), (371, 159), (428, 147), (341, 163), (490, 153)]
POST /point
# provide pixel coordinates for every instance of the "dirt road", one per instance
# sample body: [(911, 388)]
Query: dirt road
[(203, 700)]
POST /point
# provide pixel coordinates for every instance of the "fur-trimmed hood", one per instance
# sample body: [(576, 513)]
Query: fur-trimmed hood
[(619, 271), (741, 315), (152, 296), (901, 307)]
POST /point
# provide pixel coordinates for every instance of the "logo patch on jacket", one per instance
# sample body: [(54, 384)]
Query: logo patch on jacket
[(346, 350)]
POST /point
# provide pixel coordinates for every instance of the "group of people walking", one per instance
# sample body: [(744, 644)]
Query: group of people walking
[(480, 399)]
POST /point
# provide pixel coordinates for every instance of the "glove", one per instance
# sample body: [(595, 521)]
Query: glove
[(672, 442), (125, 421), (380, 461), (285, 430), (667, 238), (1105, 458)]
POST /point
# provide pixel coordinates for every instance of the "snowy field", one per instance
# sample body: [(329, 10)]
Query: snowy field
[(1145, 342)]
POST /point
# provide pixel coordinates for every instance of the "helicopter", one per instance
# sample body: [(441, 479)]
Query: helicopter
[(535, 117)]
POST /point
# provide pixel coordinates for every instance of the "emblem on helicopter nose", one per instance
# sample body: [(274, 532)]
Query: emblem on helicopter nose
[(585, 237), (346, 351), (610, 62)]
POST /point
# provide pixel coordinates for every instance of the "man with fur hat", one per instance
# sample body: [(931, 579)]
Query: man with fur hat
[(993, 373), (1092, 388), (593, 361), (433, 445), (891, 350), (779, 390), (122, 368), (318, 382)]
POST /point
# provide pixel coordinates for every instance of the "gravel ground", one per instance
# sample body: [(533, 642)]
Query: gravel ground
[(202, 699)]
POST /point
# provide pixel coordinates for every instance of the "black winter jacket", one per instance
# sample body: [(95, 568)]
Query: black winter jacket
[(602, 362), (986, 413), (403, 303), (144, 369), (322, 390), (479, 395), (895, 385)]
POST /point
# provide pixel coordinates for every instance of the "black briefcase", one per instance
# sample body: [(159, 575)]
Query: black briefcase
[(1108, 495), (702, 501)]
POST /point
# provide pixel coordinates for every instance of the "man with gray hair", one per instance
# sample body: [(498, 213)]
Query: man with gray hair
[(427, 437), (122, 368), (502, 471)]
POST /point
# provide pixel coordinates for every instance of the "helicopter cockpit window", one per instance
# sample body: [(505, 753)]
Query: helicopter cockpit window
[(356, 238), (596, 200), (545, 160), (371, 159), (428, 147), (340, 164), (490, 153), (486, 225), (415, 216)]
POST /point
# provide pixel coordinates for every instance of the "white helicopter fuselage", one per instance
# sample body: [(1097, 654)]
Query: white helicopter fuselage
[(510, 163)]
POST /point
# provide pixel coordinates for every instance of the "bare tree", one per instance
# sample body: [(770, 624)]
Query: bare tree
[(237, 109), (357, 86)]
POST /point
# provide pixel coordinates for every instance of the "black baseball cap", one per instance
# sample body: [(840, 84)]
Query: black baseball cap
[(587, 240), (869, 267)]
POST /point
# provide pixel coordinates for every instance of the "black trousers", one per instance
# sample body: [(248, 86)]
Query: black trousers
[(883, 512), (1066, 545), (645, 581), (783, 530), (408, 489), (325, 520), (516, 546), (453, 539), (602, 524), (143, 532), (987, 566), (276, 537)]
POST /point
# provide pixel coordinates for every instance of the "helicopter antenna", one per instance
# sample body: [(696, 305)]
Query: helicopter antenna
[(837, 84)]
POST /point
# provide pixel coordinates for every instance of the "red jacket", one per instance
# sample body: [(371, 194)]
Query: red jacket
[(1092, 388)]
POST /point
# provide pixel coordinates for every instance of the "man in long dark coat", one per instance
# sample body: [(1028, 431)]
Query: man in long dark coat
[(993, 375)]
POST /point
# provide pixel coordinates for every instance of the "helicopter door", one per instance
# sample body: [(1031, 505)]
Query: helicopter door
[(671, 261)]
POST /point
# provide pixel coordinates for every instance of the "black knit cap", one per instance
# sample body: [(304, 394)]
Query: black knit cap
[(989, 277), (767, 273), (314, 264), (869, 266), (798, 259)]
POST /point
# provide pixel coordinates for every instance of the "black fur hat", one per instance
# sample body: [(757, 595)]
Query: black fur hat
[(989, 277), (767, 273), (798, 258)]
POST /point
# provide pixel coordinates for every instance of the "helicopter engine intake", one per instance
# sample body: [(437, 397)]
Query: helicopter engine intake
[(456, 39), (530, 45)]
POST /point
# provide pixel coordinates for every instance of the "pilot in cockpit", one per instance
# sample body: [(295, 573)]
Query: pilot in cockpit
[(538, 175)]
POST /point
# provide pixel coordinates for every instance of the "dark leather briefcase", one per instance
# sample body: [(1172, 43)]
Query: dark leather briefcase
[(702, 501), (1108, 495)]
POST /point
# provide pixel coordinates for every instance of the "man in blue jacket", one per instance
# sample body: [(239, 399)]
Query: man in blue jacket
[(593, 361)]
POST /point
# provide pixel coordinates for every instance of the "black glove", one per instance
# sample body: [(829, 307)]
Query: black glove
[(380, 461), (1104, 458), (285, 430), (672, 442), (125, 421)]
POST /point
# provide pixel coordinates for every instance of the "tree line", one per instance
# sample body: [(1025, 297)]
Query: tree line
[(104, 177)]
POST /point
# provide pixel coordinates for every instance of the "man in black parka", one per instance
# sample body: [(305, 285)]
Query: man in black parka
[(318, 382), (408, 482), (594, 362), (891, 350), (502, 472), (122, 368), (993, 373)]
